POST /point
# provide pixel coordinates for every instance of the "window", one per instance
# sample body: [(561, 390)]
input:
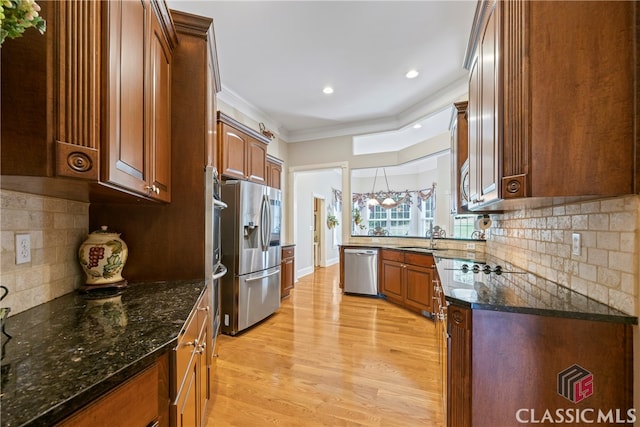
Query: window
[(428, 208), (463, 226), (395, 221)]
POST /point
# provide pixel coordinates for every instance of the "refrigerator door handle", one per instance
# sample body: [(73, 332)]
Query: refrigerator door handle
[(253, 279), (264, 220), (219, 203), (222, 270)]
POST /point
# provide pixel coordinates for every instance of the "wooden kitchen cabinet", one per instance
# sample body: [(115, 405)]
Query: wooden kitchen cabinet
[(407, 279), (459, 159), (98, 104), (458, 367), (524, 354), (191, 358), (287, 276), (134, 403), (137, 152), (243, 151), (274, 172), (542, 98), (195, 82), (51, 127)]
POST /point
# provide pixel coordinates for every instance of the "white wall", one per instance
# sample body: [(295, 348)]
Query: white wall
[(314, 154), (306, 186)]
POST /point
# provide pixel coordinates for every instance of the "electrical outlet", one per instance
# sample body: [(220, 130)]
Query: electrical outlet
[(576, 243), (23, 248), (471, 246)]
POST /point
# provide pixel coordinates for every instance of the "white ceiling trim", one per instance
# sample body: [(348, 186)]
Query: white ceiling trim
[(444, 98)]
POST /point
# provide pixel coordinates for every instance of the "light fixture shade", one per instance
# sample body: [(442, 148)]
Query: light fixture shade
[(372, 202), (389, 203)]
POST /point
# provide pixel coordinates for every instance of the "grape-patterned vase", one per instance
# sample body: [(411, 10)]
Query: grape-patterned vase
[(102, 257)]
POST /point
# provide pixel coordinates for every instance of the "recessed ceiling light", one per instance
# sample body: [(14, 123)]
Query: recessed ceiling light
[(328, 90), (417, 126), (412, 74)]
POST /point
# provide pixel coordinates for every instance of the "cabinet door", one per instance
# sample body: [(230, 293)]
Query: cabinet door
[(474, 132), (287, 276), (232, 152), (418, 287), (489, 117), (274, 175), (392, 272), (185, 410), (125, 151), (160, 114), (256, 161)]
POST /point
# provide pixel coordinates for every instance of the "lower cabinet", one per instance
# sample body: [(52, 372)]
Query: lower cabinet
[(509, 368), (407, 279), (287, 269), (190, 377), (134, 403)]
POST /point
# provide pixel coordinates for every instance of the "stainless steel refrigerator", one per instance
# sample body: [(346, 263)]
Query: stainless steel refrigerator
[(250, 231)]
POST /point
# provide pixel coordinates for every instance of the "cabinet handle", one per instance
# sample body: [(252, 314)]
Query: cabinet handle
[(152, 189), (201, 348), (193, 343), (203, 308)]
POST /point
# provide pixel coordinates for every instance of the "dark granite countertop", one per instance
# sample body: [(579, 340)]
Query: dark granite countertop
[(518, 291), (65, 353)]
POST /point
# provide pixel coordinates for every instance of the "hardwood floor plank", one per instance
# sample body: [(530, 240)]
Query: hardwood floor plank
[(328, 359)]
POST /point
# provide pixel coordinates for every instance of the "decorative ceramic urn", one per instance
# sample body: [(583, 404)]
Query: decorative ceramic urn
[(102, 257)]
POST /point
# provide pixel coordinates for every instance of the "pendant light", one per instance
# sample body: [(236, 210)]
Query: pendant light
[(388, 202), (373, 201)]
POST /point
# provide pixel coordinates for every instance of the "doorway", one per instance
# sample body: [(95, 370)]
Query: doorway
[(318, 230)]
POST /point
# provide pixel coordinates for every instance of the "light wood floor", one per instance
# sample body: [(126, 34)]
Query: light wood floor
[(327, 359)]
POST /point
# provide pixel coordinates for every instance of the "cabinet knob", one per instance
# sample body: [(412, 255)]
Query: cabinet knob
[(203, 308)]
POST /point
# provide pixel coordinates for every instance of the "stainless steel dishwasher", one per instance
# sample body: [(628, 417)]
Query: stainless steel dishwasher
[(361, 271)]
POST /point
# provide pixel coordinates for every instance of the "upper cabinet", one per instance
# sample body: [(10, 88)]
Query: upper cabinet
[(138, 126), (98, 105), (243, 151), (459, 159), (551, 105), (274, 172)]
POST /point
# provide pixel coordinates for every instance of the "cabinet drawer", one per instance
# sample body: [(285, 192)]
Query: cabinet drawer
[(184, 348), (287, 253), (422, 260), (391, 255), (133, 403)]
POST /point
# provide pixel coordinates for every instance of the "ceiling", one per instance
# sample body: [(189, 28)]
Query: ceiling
[(276, 57)]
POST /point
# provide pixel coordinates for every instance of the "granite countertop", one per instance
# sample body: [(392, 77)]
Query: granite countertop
[(471, 256), (65, 353), (518, 291)]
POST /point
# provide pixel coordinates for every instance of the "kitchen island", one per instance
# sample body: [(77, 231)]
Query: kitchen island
[(522, 349), (68, 352)]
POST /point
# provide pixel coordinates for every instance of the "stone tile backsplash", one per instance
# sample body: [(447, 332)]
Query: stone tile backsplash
[(56, 227), (540, 241)]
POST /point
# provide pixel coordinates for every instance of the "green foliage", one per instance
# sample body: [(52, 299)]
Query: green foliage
[(18, 15)]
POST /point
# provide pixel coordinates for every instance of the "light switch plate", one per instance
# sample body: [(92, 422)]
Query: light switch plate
[(576, 243), (23, 248)]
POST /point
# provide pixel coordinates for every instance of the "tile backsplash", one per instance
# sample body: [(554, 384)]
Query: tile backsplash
[(540, 241), (56, 228)]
